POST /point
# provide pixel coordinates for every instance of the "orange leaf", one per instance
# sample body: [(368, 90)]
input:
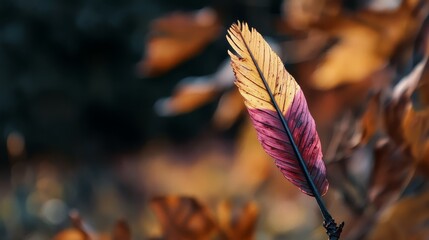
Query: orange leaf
[(385, 187), (422, 90), (176, 38), (121, 231), (186, 98), (237, 225), (183, 218), (367, 41), (76, 232), (416, 134), (229, 109), (71, 234), (370, 121), (406, 220), (399, 103)]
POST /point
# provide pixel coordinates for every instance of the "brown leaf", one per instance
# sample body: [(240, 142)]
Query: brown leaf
[(237, 225), (194, 92), (121, 231), (183, 218), (367, 40), (229, 109), (178, 37), (408, 219), (71, 234), (74, 233), (393, 117), (302, 14), (422, 90), (370, 121), (306, 48), (399, 104), (349, 176), (409, 83), (391, 172), (416, 134), (186, 98), (352, 59)]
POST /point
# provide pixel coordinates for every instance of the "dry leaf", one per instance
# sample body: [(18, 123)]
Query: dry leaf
[(399, 103), (393, 117), (76, 232), (229, 109), (183, 218), (194, 92), (307, 48), (71, 234), (186, 98), (121, 231), (409, 83), (233, 225), (416, 134), (370, 121), (302, 14), (422, 91), (176, 38), (408, 219), (366, 43), (349, 182), (352, 59), (395, 26), (391, 172)]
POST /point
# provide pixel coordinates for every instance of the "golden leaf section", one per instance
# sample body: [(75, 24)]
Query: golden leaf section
[(246, 72)]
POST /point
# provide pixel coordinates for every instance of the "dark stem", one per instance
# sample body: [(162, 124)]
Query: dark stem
[(331, 227)]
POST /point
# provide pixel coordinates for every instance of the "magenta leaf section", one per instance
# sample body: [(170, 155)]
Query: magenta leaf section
[(276, 143)]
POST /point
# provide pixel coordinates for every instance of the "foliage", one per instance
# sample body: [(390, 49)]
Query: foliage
[(165, 144)]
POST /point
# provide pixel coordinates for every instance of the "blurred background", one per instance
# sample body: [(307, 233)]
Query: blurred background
[(120, 119)]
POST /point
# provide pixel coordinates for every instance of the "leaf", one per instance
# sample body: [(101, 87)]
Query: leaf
[(258, 71), (385, 187), (302, 14), (408, 219), (421, 93), (229, 109), (393, 116), (194, 92), (370, 121), (239, 225), (399, 103), (352, 59), (416, 134), (73, 233), (121, 231), (176, 38), (367, 41), (186, 98), (183, 218), (306, 48), (410, 82)]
